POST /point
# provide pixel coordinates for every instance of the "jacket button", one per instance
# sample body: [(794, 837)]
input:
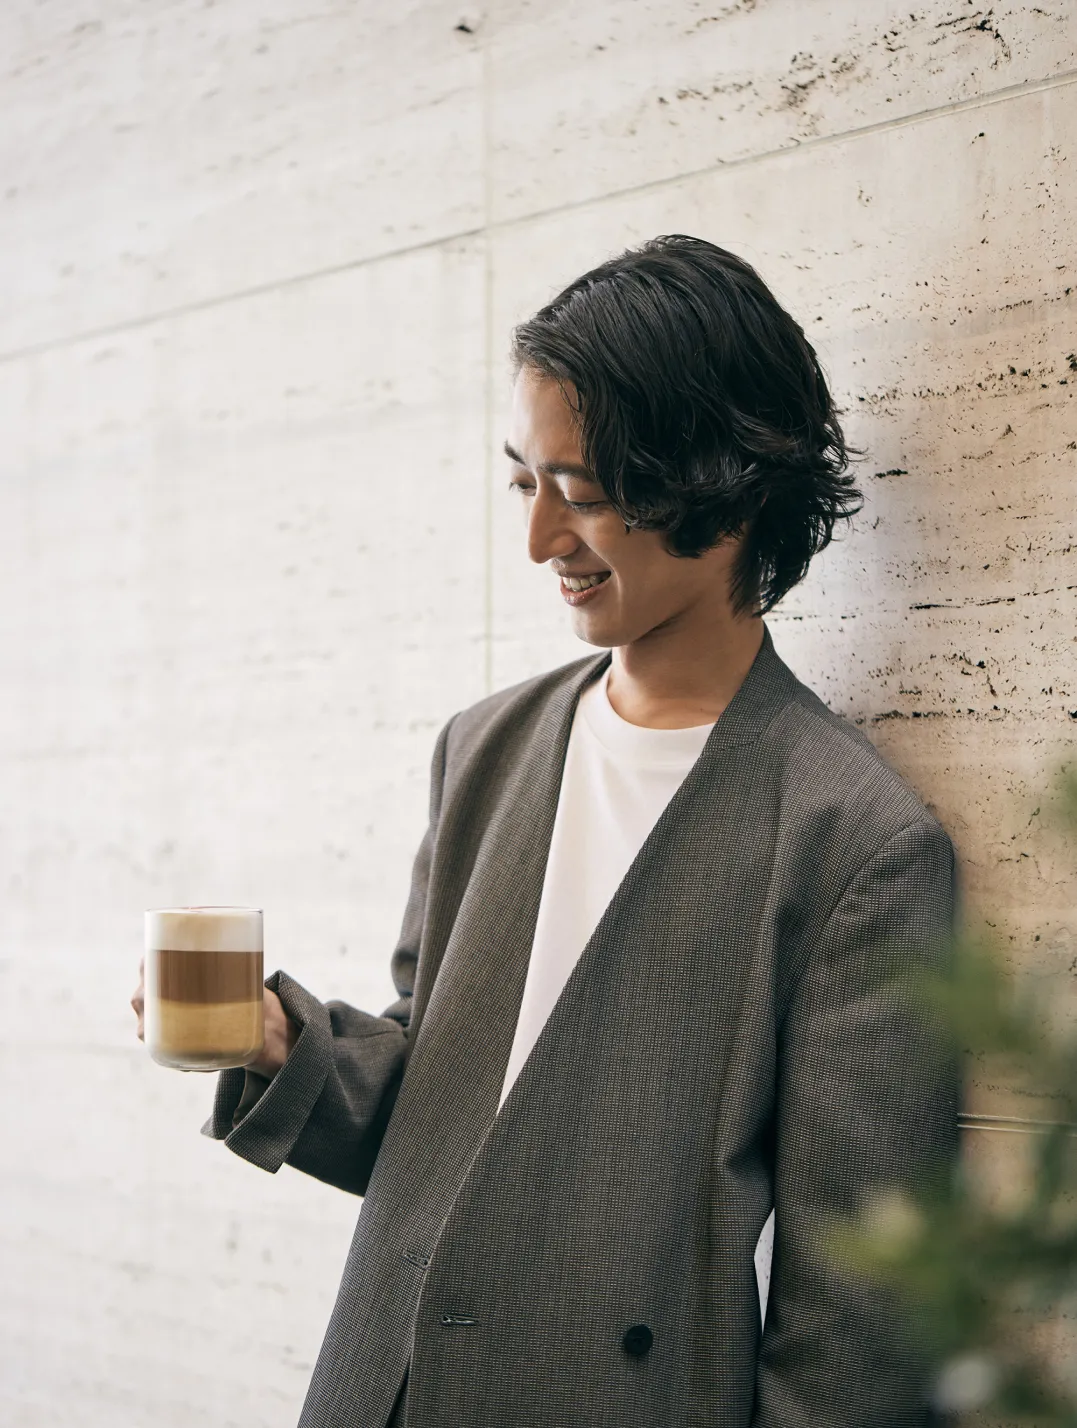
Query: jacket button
[(637, 1340)]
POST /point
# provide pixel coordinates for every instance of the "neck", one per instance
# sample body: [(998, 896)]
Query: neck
[(678, 678)]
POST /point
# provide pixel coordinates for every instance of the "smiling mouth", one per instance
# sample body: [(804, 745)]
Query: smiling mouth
[(579, 589), (584, 582)]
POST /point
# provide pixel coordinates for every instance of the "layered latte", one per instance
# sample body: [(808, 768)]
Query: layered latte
[(203, 980)]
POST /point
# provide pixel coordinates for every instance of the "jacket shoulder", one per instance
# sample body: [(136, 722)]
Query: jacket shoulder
[(824, 751), (469, 724)]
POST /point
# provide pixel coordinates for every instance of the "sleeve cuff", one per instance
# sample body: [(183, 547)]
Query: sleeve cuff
[(261, 1120)]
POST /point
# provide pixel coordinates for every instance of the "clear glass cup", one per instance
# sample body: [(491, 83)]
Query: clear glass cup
[(203, 986)]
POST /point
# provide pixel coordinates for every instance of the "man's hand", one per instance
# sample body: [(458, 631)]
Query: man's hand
[(281, 1032), (138, 1000), (281, 1035)]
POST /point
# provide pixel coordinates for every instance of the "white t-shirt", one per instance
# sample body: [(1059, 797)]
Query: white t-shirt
[(617, 780)]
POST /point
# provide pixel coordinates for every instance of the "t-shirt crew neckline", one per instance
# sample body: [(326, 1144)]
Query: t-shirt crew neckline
[(643, 747)]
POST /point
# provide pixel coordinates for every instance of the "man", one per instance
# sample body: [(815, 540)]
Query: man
[(642, 971)]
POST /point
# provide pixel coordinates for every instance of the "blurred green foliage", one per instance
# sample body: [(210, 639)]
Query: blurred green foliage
[(989, 1280)]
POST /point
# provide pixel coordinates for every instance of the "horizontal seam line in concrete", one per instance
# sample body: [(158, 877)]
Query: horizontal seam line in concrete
[(169, 314), (901, 121), (978, 101)]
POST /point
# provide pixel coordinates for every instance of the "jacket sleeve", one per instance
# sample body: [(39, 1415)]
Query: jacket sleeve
[(326, 1109), (866, 1098)]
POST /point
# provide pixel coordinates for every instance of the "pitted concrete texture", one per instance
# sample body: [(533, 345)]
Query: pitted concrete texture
[(665, 90), (258, 265)]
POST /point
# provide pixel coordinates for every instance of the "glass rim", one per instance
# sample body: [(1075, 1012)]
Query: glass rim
[(207, 907)]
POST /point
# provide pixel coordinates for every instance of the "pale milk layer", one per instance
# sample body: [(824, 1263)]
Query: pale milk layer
[(210, 1035), (204, 929)]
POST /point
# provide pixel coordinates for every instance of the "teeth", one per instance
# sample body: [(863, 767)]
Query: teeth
[(583, 583)]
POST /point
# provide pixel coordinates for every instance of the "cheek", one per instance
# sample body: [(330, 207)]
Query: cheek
[(640, 558), (621, 549)]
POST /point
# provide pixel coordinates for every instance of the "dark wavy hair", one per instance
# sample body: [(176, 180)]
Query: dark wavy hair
[(702, 408)]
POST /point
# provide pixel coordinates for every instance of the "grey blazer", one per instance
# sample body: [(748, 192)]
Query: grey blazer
[(583, 1259)]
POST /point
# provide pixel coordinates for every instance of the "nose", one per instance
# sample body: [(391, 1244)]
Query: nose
[(549, 529)]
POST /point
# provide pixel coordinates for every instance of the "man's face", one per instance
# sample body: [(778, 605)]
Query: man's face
[(572, 527)]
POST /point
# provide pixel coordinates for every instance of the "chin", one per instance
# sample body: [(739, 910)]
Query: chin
[(602, 635)]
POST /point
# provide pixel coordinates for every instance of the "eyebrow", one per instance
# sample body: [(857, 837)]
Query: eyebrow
[(552, 468)]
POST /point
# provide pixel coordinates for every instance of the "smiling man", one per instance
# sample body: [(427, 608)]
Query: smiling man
[(643, 970), (681, 649)]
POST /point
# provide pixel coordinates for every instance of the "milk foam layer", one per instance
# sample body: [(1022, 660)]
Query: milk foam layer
[(204, 929)]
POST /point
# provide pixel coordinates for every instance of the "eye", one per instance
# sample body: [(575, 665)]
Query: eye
[(526, 490)]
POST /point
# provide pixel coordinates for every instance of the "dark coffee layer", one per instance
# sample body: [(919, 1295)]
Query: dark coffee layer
[(208, 976)]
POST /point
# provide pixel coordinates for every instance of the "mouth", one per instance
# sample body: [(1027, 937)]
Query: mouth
[(579, 589)]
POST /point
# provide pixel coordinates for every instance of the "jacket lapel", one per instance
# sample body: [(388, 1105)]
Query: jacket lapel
[(485, 887), (485, 883), (493, 842), (707, 808)]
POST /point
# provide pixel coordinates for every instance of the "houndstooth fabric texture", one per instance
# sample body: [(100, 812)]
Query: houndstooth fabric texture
[(726, 1043)]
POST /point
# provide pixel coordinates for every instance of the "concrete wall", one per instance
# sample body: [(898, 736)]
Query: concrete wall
[(258, 266)]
